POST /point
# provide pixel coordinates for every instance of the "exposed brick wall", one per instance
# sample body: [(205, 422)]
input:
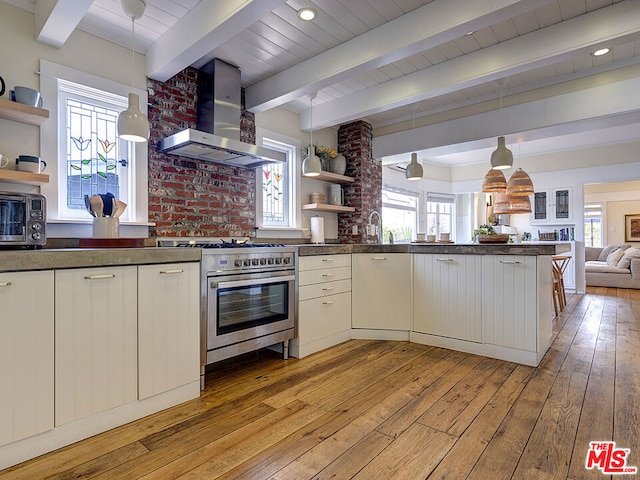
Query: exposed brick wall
[(190, 197), (365, 194)]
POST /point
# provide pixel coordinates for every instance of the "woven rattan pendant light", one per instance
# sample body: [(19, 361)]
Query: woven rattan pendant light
[(510, 205), (494, 181), (520, 184)]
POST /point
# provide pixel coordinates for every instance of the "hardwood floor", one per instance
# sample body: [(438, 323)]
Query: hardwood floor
[(392, 410)]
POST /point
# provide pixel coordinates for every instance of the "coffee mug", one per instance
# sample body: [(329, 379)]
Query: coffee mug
[(444, 237), (431, 238), (3, 162), (29, 163), (420, 237), (27, 96)]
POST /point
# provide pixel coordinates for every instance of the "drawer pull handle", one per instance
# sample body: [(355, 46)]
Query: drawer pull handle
[(328, 288), (516, 262), (5, 284), (328, 302), (328, 274), (171, 272), (328, 259), (447, 260), (99, 277), (378, 258)]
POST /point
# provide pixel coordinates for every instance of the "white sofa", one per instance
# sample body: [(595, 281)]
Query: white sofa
[(602, 273)]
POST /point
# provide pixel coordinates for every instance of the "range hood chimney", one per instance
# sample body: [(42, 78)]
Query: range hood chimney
[(217, 134)]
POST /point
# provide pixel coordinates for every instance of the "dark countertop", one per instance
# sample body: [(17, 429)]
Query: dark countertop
[(547, 248), (49, 259)]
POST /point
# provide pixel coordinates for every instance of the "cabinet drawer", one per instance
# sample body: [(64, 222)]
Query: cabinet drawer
[(322, 317), (324, 261), (324, 275), (324, 289)]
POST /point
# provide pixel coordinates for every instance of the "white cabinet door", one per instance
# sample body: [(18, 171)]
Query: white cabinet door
[(381, 290), (26, 354), (552, 206), (447, 299), (323, 317), (168, 327), (95, 340), (510, 303)]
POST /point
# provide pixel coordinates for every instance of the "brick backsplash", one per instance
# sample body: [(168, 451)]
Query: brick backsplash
[(190, 197)]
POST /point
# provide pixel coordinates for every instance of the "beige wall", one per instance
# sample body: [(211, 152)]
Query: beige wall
[(615, 220)]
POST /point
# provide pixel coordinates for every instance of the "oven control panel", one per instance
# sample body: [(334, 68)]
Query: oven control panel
[(248, 260)]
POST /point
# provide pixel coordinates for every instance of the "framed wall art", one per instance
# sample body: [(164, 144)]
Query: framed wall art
[(632, 228)]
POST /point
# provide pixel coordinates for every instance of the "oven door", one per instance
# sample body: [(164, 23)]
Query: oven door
[(13, 211), (247, 306)]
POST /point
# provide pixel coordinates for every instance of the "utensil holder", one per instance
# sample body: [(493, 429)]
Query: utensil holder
[(106, 227)]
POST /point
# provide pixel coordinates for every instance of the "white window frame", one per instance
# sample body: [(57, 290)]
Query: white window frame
[(440, 198), (409, 193), (588, 209), (51, 146), (291, 147)]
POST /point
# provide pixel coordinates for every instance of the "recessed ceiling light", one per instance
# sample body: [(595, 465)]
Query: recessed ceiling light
[(600, 52), (307, 14)]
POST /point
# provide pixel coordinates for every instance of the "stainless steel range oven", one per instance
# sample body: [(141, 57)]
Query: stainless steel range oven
[(248, 295)]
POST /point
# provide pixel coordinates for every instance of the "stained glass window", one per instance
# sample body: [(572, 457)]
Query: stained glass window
[(92, 152), (276, 182), (273, 193)]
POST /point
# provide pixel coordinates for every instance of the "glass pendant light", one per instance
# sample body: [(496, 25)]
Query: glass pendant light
[(133, 125), (311, 165), (501, 158), (414, 169)]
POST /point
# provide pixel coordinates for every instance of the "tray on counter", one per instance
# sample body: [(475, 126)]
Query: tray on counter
[(495, 238), (111, 242)]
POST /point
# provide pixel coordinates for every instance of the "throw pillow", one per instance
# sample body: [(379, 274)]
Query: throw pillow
[(614, 257), (629, 254), (606, 251)]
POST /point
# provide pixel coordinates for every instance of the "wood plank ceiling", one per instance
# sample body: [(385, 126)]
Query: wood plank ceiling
[(384, 61)]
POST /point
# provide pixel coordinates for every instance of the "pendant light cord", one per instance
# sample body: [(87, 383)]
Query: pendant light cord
[(133, 72), (311, 121)]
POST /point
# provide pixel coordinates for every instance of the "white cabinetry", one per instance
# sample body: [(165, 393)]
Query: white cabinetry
[(324, 309), (516, 307), (381, 293), (26, 354), (95, 340), (552, 206), (447, 295), (168, 327)]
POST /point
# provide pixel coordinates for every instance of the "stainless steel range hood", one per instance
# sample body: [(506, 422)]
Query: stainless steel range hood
[(217, 134)]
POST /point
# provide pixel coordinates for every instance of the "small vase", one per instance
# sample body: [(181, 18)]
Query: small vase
[(338, 165)]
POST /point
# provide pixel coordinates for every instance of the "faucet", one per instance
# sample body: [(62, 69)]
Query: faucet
[(376, 229)]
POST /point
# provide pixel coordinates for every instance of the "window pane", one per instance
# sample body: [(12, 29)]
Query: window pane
[(274, 194), (92, 152), (399, 214)]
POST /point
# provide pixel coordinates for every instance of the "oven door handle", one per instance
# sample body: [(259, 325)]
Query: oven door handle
[(254, 281)]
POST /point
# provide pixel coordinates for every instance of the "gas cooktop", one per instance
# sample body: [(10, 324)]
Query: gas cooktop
[(212, 243)]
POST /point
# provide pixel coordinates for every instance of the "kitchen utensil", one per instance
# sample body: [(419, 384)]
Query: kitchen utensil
[(120, 207), (96, 205), (107, 204), (88, 205)]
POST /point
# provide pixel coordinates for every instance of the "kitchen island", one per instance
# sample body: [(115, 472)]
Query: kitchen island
[(491, 300)]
